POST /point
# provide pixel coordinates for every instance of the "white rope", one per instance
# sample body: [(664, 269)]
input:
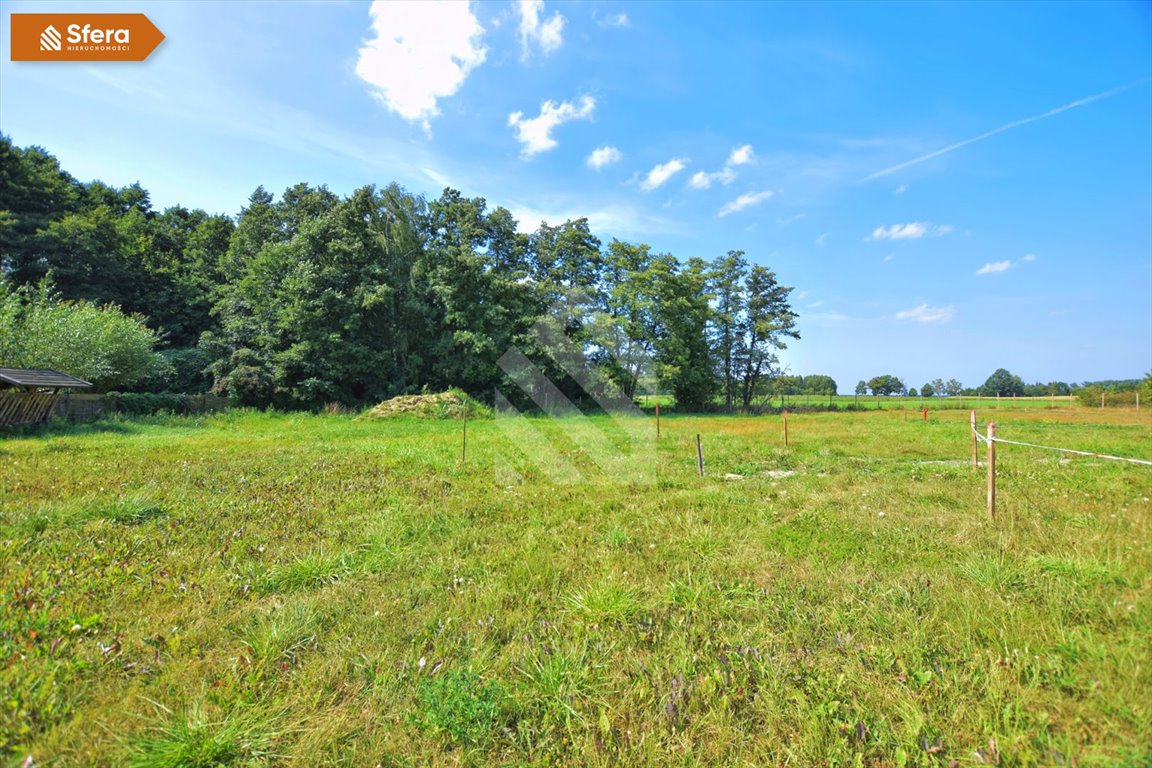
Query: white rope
[(1069, 450), (1061, 450)]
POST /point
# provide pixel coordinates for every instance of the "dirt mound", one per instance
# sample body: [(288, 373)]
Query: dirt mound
[(441, 405)]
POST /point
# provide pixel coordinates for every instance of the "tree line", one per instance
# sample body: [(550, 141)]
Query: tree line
[(315, 298), (1001, 383)]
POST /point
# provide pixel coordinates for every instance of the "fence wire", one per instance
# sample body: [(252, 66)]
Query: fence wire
[(1130, 460)]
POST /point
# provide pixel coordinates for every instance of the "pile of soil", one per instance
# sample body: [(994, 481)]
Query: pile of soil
[(441, 405)]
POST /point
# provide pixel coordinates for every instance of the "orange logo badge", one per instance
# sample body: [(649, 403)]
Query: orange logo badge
[(83, 37)]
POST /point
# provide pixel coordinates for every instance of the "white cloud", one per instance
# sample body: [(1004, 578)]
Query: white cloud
[(662, 172), (911, 231), (830, 317), (744, 201), (620, 20), (927, 314), (741, 156), (603, 156), (437, 177), (702, 180), (822, 239), (1029, 257), (420, 52), (536, 133), (547, 35), (994, 267), (621, 219), (901, 189)]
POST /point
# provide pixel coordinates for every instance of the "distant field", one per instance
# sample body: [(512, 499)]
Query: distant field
[(259, 589)]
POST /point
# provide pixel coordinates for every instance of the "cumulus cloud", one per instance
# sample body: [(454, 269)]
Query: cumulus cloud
[(744, 201), (994, 267), (535, 134), (619, 20), (901, 189), (911, 231), (702, 180), (603, 156), (927, 314), (662, 172), (822, 239), (420, 52), (741, 156), (545, 35), (726, 175), (1029, 257)]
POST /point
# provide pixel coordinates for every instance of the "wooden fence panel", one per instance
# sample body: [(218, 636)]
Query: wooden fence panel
[(26, 407)]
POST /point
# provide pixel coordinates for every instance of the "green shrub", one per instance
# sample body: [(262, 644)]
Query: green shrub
[(99, 344)]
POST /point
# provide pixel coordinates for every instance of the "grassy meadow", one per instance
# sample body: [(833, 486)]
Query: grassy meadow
[(253, 589)]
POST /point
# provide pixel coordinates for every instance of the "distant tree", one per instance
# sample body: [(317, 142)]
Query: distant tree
[(886, 385), (861, 387), (1003, 383), (727, 277), (686, 362), (768, 320), (818, 384), (952, 388), (621, 331), (927, 390)]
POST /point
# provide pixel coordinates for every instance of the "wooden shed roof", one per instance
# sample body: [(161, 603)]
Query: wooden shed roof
[(38, 377)]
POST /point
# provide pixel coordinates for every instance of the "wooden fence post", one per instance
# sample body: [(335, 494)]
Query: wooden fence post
[(699, 455), (785, 414), (991, 470), (657, 420)]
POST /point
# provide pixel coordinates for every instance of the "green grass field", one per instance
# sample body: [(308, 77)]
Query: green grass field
[(259, 589)]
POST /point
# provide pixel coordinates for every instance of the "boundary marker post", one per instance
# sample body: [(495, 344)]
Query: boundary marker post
[(991, 470)]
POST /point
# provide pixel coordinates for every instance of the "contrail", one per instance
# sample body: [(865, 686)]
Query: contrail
[(1001, 129)]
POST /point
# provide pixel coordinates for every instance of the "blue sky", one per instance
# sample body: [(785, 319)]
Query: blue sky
[(950, 188)]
